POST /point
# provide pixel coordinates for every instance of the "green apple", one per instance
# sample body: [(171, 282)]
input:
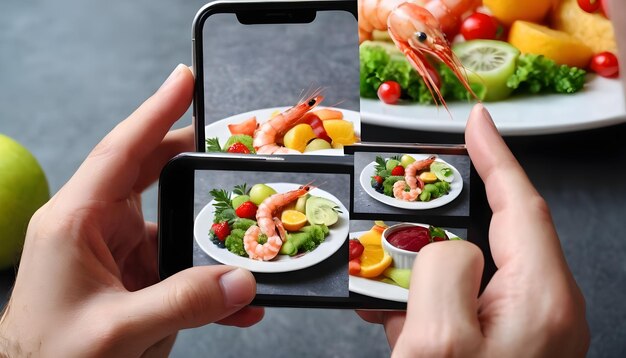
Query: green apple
[(317, 144), (391, 163), (406, 160), (238, 200), (260, 192), (23, 189)]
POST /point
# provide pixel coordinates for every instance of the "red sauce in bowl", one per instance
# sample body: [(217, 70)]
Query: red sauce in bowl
[(411, 238)]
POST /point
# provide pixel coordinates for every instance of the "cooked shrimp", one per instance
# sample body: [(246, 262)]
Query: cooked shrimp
[(411, 180), (399, 191), (419, 28), (268, 132), (410, 172), (268, 225)]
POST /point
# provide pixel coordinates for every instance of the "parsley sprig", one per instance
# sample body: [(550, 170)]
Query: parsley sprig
[(213, 145)]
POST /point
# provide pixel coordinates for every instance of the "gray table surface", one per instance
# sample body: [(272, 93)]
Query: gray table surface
[(70, 70)]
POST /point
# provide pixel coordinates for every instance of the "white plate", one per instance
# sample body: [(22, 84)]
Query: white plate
[(599, 104), (282, 263), (220, 130), (455, 189), (378, 289)]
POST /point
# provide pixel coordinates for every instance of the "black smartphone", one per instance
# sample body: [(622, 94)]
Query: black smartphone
[(230, 209), (276, 77)]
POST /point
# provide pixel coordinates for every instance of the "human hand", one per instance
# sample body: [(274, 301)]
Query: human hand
[(531, 307), (87, 284)]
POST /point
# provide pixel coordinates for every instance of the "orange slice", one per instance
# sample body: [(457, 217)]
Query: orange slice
[(559, 46), (374, 260), (373, 237), (293, 220)]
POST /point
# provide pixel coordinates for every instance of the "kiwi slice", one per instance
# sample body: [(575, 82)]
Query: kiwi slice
[(321, 211), (489, 63)]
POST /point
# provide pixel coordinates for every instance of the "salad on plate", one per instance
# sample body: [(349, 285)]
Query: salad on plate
[(372, 269), (303, 128), (412, 183), (284, 225)]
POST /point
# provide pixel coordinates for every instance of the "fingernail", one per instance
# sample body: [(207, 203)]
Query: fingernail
[(172, 76), (236, 288)]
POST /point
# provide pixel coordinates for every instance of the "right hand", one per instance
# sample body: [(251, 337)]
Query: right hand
[(532, 306)]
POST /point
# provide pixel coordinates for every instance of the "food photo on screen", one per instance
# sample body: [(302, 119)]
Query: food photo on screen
[(272, 102), (381, 255), (549, 67), (289, 229), (413, 184)]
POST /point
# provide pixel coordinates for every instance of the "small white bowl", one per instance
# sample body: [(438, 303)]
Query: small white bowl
[(402, 259)]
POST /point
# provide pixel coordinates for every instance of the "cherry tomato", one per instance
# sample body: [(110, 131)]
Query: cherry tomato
[(480, 26), (389, 92), (605, 64), (590, 6)]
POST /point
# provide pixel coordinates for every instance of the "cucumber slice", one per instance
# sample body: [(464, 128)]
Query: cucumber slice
[(321, 211), (490, 63), (442, 171)]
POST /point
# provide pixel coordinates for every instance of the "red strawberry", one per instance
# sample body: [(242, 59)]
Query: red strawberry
[(398, 171), (378, 179), (247, 210), (238, 148), (355, 249), (221, 230)]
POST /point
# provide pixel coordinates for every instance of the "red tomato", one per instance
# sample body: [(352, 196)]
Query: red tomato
[(605, 64), (480, 26), (590, 6), (389, 92)]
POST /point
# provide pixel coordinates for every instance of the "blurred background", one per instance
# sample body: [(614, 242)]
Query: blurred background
[(71, 70)]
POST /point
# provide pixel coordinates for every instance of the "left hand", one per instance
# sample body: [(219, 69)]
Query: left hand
[(88, 282)]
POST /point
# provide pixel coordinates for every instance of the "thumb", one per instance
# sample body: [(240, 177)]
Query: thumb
[(442, 312), (191, 298)]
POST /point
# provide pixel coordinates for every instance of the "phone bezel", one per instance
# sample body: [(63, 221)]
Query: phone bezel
[(262, 13)]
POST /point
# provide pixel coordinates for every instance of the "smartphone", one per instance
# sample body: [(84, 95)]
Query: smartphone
[(261, 66), (324, 203)]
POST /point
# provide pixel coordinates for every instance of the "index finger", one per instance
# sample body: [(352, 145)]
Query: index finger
[(112, 168), (521, 225)]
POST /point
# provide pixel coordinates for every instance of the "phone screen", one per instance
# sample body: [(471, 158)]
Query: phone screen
[(259, 79), (423, 193), (235, 215)]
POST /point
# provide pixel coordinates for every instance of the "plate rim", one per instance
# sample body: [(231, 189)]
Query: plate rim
[(593, 86)]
